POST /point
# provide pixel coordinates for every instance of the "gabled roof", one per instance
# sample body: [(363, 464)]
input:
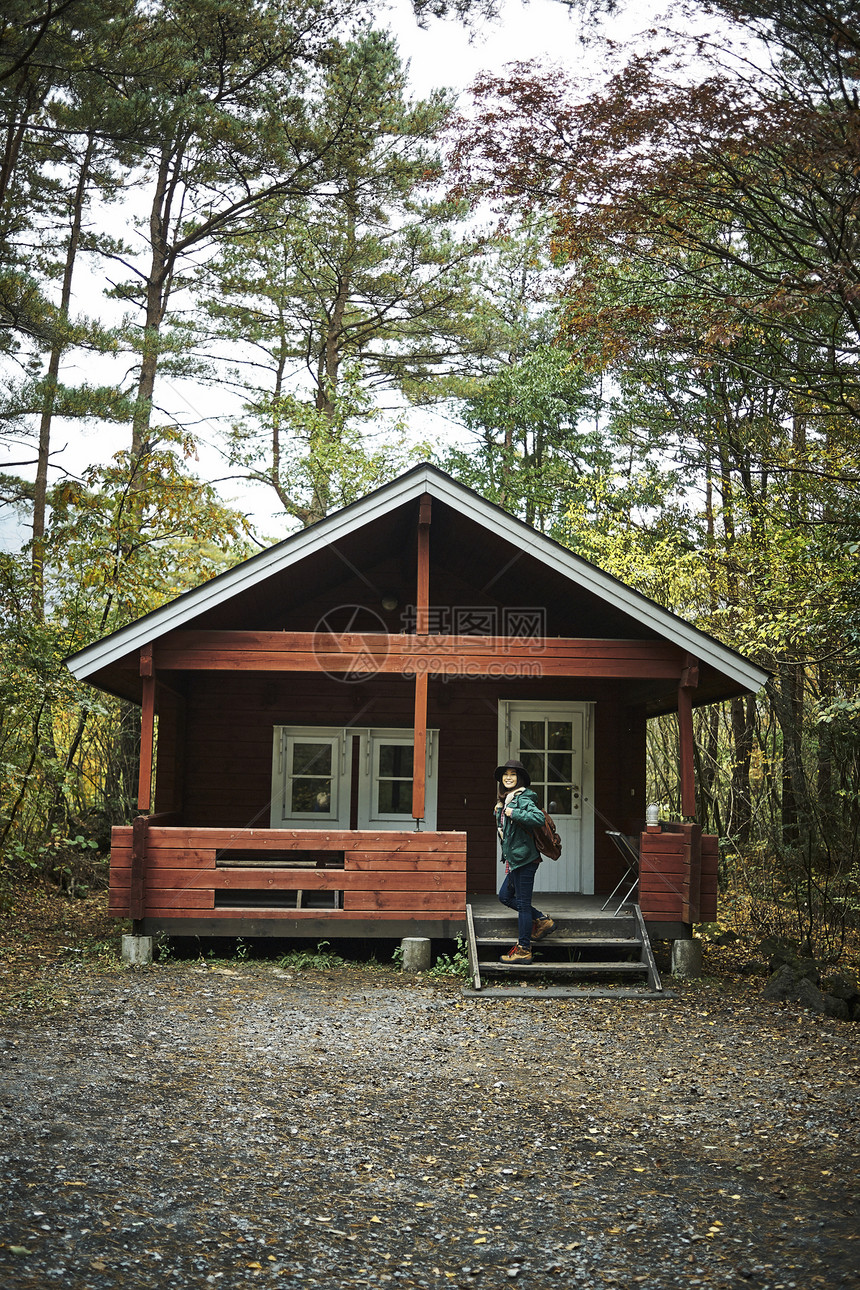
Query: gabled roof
[(410, 486)]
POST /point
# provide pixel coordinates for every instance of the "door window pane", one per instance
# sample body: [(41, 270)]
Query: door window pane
[(560, 735), (558, 799), (559, 768), (546, 751), (533, 763), (532, 736)]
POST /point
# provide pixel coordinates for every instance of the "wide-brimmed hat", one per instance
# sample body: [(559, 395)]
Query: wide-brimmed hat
[(518, 766)]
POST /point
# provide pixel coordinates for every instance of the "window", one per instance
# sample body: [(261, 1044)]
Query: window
[(385, 785), (393, 778), (312, 778)]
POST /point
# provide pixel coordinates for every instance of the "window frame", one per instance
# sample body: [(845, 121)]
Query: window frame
[(285, 737), (371, 741)]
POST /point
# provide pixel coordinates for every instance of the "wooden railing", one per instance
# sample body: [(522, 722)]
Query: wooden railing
[(678, 874), (187, 872)]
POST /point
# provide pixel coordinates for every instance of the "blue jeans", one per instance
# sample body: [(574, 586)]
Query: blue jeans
[(516, 893)]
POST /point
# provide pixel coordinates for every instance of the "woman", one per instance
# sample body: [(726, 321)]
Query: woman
[(517, 816)]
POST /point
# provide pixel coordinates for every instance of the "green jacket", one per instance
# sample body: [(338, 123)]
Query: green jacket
[(517, 829)]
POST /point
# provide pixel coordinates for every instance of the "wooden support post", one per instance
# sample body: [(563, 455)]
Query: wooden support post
[(137, 888), (422, 598), (419, 754), (689, 681), (422, 627), (147, 730)]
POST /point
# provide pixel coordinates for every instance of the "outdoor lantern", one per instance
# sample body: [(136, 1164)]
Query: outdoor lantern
[(652, 813)]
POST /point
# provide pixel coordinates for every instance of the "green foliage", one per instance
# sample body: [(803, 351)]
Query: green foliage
[(322, 959), (456, 964), (120, 543), (360, 288), (709, 269), (133, 534)]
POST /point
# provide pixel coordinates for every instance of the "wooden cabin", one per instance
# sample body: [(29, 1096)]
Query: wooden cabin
[(321, 724)]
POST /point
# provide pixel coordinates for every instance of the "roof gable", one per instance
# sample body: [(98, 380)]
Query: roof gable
[(251, 575)]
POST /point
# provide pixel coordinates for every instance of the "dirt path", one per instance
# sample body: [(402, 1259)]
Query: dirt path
[(184, 1126)]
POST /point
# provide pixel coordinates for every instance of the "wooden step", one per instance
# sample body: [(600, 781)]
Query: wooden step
[(507, 926), (571, 969), (591, 993), (612, 936), (569, 942)]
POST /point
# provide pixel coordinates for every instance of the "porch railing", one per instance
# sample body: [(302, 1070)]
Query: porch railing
[(678, 874), (171, 871)]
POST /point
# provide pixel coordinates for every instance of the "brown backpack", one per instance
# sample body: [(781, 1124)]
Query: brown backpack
[(546, 838)]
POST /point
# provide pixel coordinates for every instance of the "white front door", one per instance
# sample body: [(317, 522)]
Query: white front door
[(553, 741)]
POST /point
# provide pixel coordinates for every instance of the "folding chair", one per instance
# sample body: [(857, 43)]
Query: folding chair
[(630, 855)]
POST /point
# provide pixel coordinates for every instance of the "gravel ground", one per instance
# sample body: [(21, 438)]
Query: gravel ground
[(191, 1126)]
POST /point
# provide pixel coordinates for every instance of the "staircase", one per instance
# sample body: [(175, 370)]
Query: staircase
[(609, 957)]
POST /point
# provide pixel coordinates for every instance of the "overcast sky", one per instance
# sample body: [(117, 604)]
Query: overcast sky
[(444, 54)]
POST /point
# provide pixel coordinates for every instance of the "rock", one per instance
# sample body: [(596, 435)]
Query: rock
[(838, 1008), (844, 988), (782, 985), (808, 995), (777, 950), (809, 969), (794, 983)]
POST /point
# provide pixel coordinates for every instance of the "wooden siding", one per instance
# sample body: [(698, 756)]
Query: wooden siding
[(619, 784), (710, 864), (384, 875)]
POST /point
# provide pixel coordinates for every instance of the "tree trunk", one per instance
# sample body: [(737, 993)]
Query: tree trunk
[(158, 287), (742, 719), (40, 491)]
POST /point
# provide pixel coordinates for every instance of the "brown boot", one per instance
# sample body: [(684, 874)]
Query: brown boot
[(519, 954), (542, 927)]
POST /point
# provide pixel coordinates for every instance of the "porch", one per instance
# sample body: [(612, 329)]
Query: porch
[(188, 880)]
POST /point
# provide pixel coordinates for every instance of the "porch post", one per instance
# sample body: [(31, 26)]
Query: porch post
[(147, 730), (689, 681), (422, 626), (422, 598), (419, 756)]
